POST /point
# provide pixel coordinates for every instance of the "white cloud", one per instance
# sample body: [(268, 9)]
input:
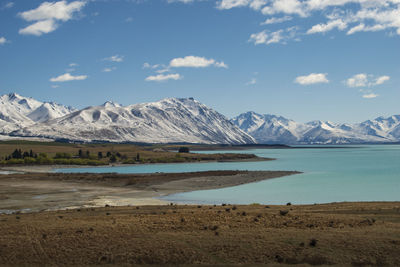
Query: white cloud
[(366, 80), (45, 16), (115, 58), (109, 69), (55, 86), (221, 64), (275, 20), (3, 40), (162, 77), (362, 28), (68, 77), (382, 79), (358, 80), (330, 25), (286, 7), (357, 15), (147, 65), (60, 10), (129, 19), (195, 62), (228, 4), (258, 4), (73, 64), (279, 36), (39, 28), (252, 81), (312, 78), (370, 95)]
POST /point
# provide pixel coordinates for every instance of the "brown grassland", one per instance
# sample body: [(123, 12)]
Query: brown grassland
[(345, 234)]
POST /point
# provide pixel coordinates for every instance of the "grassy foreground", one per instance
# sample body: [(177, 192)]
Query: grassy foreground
[(353, 234)]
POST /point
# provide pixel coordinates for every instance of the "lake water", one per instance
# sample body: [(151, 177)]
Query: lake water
[(353, 173)]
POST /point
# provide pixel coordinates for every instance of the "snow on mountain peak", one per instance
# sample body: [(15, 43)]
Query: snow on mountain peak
[(111, 104), (275, 129), (169, 120)]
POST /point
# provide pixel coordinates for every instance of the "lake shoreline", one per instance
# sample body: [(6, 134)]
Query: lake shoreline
[(54, 167), (40, 191)]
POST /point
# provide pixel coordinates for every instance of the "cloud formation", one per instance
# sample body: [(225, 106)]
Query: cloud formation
[(115, 58), (195, 62), (47, 16), (312, 78), (279, 36), (180, 62), (366, 80), (68, 77), (3, 40), (370, 95), (164, 77), (353, 15), (275, 20), (109, 69)]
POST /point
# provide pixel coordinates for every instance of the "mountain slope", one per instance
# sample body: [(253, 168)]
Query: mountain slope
[(277, 129), (48, 111), (167, 121), (17, 112)]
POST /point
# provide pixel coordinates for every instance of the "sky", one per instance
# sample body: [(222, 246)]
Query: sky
[(336, 60)]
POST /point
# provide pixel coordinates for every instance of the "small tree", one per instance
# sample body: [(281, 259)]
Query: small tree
[(17, 154), (183, 149), (113, 158), (137, 157), (80, 153), (100, 155)]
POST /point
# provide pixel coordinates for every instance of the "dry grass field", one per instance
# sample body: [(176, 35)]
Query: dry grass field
[(352, 234)]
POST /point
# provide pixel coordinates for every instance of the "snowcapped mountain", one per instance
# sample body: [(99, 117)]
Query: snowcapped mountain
[(166, 121), (17, 112), (177, 120), (48, 111), (268, 128), (277, 129)]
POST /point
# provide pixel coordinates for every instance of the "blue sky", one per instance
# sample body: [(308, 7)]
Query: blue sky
[(336, 60)]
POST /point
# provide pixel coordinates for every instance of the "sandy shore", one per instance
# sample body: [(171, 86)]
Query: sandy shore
[(49, 191), (340, 234)]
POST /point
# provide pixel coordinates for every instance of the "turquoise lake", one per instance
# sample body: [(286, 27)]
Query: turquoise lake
[(351, 173)]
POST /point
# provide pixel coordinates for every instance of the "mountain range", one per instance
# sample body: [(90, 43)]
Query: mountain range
[(177, 120), (272, 129), (171, 120)]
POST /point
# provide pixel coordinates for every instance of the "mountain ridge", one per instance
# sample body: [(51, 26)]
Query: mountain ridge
[(170, 120), (267, 128), (178, 120)]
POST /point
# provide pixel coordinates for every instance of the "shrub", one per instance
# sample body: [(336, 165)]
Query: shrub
[(29, 160), (283, 212), (60, 155), (183, 149)]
